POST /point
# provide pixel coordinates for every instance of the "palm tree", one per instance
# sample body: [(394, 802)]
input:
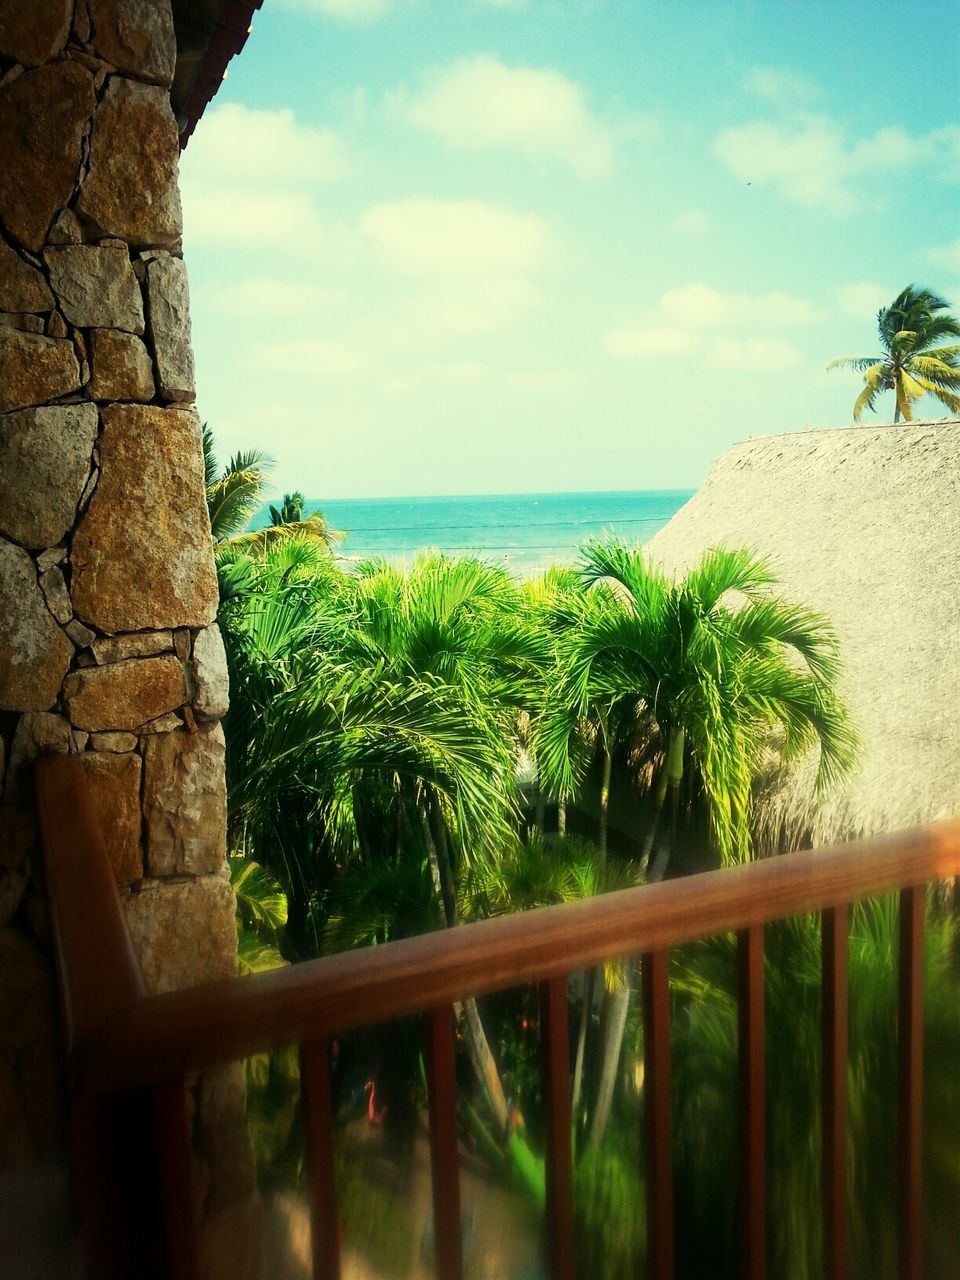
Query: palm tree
[(235, 495), (912, 363), (711, 684)]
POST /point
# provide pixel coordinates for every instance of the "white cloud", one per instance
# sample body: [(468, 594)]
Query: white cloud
[(478, 103), (306, 356), (946, 255), (264, 296), (341, 10), (692, 223), (232, 217), (636, 342), (234, 143), (544, 382), (697, 306), (752, 355), (780, 84), (431, 236), (862, 301), (808, 161), (466, 306), (696, 324)]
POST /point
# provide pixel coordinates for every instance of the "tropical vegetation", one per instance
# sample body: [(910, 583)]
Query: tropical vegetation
[(412, 748), (913, 359)]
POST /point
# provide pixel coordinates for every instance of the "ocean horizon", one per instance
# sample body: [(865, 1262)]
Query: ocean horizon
[(525, 532)]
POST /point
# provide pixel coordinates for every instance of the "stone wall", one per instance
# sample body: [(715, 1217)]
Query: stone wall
[(108, 645)]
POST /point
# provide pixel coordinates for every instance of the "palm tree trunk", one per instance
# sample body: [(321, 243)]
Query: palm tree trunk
[(538, 813), (561, 819), (604, 809), (588, 980), (673, 773), (659, 796), (614, 1025), (467, 1013)]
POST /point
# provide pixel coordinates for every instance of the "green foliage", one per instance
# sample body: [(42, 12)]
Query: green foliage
[(610, 1209), (913, 362)]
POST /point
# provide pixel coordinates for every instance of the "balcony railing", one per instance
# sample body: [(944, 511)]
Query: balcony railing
[(130, 1052)]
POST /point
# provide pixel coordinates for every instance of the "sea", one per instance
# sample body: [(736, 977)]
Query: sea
[(522, 531), (525, 532)]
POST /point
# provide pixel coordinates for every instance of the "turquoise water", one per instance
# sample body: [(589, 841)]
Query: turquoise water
[(524, 532)]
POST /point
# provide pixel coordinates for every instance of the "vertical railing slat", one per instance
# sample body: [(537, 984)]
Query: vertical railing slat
[(834, 925), (657, 1110), (318, 1123), (555, 1073), (448, 1261), (910, 1082), (750, 1017), (178, 1213)]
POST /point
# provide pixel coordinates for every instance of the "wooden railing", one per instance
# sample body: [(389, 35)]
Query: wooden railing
[(130, 1052)]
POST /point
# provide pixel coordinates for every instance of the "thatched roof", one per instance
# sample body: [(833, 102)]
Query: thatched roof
[(863, 524)]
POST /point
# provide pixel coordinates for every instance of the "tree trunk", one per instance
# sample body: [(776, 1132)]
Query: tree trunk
[(588, 980), (540, 809), (673, 773), (604, 808), (561, 819), (614, 1025)]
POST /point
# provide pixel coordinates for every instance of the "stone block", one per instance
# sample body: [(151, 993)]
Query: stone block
[(118, 742), (137, 37), (131, 189), (22, 286), (34, 369), (34, 31), (185, 802), (18, 834), (43, 116), (140, 644), (56, 595), (122, 368), (125, 694), (169, 311), (96, 287), (208, 669), (34, 652), (114, 786), (81, 636), (37, 733), (44, 464), (151, 463), (184, 931), (23, 321)]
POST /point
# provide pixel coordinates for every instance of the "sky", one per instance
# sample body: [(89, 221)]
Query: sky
[(494, 246)]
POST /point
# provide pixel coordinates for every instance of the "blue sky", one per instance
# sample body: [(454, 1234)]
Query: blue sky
[(469, 246)]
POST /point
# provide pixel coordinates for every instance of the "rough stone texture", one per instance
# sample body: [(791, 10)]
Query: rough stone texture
[(169, 311), (18, 834), (96, 287), (131, 190), (22, 286), (125, 694), (56, 595), (185, 803), (43, 115), (81, 636), (162, 724), (113, 741), (51, 556), (13, 884), (122, 368), (22, 321), (56, 325), (208, 669), (34, 31), (141, 644), (184, 932), (66, 229), (114, 786), (137, 37), (34, 369), (35, 653), (38, 733), (151, 462), (44, 464)]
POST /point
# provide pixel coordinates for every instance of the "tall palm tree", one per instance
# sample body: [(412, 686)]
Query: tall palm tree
[(912, 363), (711, 683)]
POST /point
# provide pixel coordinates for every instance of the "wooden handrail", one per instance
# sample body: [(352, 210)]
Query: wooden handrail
[(163, 1036)]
